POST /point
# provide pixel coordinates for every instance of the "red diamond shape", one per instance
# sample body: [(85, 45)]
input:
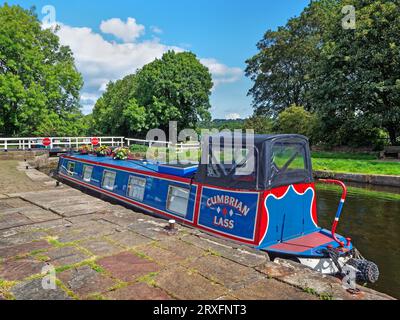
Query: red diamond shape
[(224, 211)]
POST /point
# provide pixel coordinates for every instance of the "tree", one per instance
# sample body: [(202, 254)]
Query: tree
[(296, 120), (357, 76), (117, 111), (350, 78), (281, 70), (260, 124), (174, 88), (39, 84)]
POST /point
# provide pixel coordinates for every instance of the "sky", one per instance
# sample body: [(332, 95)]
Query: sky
[(111, 39)]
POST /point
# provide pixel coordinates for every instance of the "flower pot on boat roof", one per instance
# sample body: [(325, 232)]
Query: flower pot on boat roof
[(102, 151), (121, 154)]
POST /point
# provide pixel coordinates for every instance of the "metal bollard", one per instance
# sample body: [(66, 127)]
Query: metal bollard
[(171, 226)]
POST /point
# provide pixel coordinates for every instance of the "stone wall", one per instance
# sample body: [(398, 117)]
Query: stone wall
[(380, 180)]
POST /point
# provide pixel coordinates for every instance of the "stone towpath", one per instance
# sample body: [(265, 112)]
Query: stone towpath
[(103, 251)]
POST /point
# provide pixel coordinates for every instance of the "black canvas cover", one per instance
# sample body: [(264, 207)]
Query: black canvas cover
[(254, 162)]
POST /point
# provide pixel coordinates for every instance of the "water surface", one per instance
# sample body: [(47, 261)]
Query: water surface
[(373, 222)]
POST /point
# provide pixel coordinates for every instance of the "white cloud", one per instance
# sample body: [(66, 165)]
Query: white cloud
[(232, 116), (101, 61), (156, 29), (128, 31), (222, 73)]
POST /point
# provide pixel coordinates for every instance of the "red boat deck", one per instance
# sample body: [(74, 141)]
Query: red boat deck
[(304, 243)]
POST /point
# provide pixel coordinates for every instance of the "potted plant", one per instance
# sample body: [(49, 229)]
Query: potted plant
[(102, 151), (85, 149), (121, 153)]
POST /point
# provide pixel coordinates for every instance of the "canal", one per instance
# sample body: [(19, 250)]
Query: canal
[(371, 217)]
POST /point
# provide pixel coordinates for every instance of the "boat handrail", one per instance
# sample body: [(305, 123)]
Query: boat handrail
[(339, 210)]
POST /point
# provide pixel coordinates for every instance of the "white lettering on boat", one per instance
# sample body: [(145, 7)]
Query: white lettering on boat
[(229, 201)]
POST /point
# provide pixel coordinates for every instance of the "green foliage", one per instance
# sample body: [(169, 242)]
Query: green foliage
[(296, 120), (344, 155), (174, 88), (39, 84), (349, 78), (138, 148), (260, 124), (356, 166), (121, 153)]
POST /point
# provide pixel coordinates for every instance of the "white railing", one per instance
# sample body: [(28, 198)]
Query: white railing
[(57, 142), (180, 147), (76, 142)]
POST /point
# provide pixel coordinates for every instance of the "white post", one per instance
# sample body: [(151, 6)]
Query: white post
[(5, 144)]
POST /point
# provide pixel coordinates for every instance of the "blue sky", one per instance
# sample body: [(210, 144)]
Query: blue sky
[(222, 33)]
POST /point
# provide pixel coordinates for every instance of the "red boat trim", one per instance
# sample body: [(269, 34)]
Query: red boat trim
[(141, 172)]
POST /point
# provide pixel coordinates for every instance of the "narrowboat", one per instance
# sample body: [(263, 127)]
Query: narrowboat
[(271, 207)]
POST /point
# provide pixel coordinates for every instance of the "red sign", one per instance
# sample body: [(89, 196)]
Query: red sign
[(95, 141), (46, 142)]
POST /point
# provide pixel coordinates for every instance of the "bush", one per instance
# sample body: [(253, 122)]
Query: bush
[(296, 119)]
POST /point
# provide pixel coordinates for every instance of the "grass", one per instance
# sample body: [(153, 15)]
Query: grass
[(353, 163), (361, 191)]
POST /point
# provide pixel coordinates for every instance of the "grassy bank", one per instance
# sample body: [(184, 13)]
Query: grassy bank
[(353, 163), (354, 191)]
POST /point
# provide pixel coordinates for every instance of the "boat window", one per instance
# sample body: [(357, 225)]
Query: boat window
[(235, 162), (136, 188), (288, 159), (178, 199), (108, 180), (87, 173), (71, 168)]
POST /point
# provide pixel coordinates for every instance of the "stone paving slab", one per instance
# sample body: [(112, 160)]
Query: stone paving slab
[(81, 231), (181, 249), (84, 281), (33, 290), (161, 256), (138, 291), (8, 239), (11, 220), (76, 210), (225, 272), (100, 247), (127, 267), (240, 255), (19, 269), (65, 256), (23, 249), (148, 229), (128, 239), (270, 289), (188, 285)]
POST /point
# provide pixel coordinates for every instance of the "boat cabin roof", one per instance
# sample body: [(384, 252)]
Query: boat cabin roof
[(257, 162), (180, 170)]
